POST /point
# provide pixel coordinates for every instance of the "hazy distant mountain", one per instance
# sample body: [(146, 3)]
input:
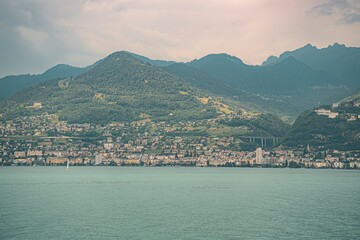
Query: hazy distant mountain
[(12, 84), (227, 69), (342, 62), (206, 81), (197, 77), (288, 80), (286, 86), (280, 78), (334, 126)]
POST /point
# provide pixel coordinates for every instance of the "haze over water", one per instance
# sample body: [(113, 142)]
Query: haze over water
[(178, 203)]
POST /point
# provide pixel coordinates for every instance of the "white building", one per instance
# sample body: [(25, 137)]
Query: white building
[(108, 145), (259, 156), (327, 113), (98, 159)]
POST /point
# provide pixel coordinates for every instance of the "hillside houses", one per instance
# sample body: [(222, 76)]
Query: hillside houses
[(144, 144)]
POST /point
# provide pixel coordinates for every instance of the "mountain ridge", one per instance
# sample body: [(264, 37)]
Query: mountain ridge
[(12, 84), (338, 60), (119, 88), (286, 87)]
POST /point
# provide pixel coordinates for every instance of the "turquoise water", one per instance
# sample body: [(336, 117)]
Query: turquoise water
[(178, 203)]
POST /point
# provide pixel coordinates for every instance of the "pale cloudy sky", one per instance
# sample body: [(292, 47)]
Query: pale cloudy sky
[(37, 34)]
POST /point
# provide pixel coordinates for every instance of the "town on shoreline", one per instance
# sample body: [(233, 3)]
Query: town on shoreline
[(41, 141)]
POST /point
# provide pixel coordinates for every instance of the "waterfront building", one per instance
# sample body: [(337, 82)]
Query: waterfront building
[(98, 159), (259, 156)]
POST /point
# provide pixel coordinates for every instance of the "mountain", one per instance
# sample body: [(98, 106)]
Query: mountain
[(159, 63), (342, 62), (297, 80), (12, 84), (306, 86), (223, 59), (63, 71), (227, 69), (289, 86), (121, 88), (335, 126), (117, 88), (247, 100), (197, 77), (279, 78), (285, 86)]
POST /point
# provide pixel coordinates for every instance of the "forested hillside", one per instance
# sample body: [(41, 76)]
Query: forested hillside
[(119, 88), (11, 84), (285, 85), (334, 126), (289, 80)]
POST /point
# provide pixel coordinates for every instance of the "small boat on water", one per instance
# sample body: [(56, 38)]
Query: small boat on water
[(67, 165)]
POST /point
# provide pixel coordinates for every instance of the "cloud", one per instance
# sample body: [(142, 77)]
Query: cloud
[(37, 34), (31, 37), (351, 18), (346, 11)]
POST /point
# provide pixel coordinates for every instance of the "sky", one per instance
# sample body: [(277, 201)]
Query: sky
[(38, 34)]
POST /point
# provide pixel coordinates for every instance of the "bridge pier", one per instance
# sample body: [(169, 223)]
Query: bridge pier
[(263, 140)]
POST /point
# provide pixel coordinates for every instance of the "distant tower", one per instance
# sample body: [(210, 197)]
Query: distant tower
[(259, 156)]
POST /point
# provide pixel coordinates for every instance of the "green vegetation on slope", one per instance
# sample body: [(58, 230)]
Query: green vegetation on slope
[(119, 88), (9, 85), (263, 125), (341, 132)]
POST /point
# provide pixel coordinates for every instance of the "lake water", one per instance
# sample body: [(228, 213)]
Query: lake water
[(178, 203)]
